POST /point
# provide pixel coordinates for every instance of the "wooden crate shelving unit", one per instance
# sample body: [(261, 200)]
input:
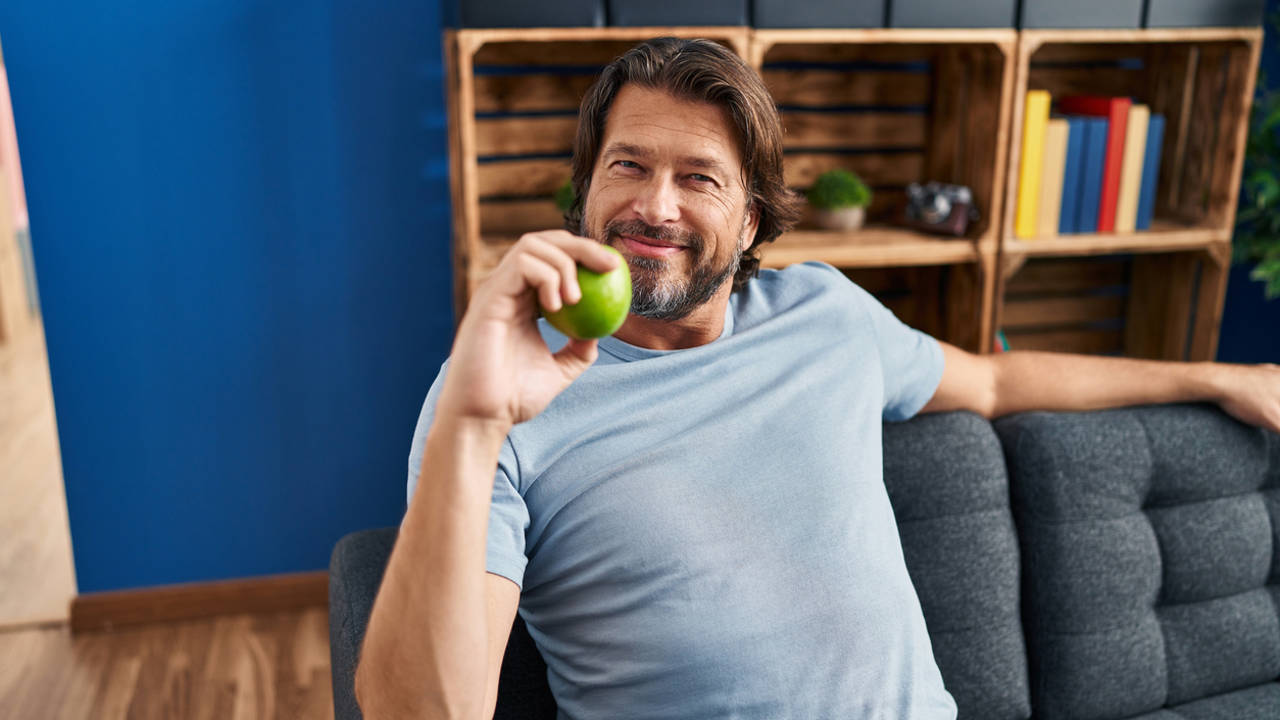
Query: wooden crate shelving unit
[(899, 106), (1202, 81)]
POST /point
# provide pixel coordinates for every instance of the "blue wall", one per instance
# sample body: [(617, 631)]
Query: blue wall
[(240, 220), (1250, 323)]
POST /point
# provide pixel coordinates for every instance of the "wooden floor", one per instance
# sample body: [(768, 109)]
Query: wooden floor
[(37, 577), (239, 667)]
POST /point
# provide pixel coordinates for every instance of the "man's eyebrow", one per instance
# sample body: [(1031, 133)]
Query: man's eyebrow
[(704, 163), (697, 161), (627, 149)]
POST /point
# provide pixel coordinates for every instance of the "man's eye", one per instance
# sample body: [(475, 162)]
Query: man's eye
[(699, 177), (629, 164)]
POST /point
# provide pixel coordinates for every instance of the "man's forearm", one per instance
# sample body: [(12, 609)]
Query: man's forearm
[(1029, 380), (424, 652)]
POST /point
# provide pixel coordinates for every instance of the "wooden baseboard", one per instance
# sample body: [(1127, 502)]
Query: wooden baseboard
[(272, 593)]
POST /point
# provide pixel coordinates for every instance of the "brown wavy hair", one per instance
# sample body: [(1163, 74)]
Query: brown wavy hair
[(700, 71)]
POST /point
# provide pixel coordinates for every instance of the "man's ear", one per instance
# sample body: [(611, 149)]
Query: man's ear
[(751, 221)]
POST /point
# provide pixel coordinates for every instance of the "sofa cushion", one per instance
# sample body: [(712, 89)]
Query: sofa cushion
[(946, 480), (1149, 568)]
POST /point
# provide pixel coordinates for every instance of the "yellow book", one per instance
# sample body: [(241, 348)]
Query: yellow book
[(1054, 165), (1135, 150), (1033, 129)]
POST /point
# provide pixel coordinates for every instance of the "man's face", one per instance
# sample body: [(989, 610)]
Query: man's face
[(667, 192)]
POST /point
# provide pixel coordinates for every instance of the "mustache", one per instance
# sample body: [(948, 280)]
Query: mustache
[(684, 238)]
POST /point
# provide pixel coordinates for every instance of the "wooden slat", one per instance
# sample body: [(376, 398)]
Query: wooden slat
[(274, 593), (1054, 312), (1152, 35), (984, 136), (530, 93), (1214, 270), (1202, 135), (521, 177), (1173, 88), (1162, 237), (874, 246), (515, 217), (525, 135), (1062, 81), (962, 307), (1050, 276), (901, 169), (1084, 342), (825, 88), (1159, 306), (853, 130), (946, 136), (1224, 181)]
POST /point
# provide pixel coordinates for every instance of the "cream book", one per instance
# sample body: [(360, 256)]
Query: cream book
[(1135, 149), (1033, 127), (1054, 165)]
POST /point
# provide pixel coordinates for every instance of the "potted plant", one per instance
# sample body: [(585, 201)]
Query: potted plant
[(1257, 234), (564, 196), (839, 199)]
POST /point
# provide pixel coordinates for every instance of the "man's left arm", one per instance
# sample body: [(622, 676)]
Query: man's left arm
[(995, 385)]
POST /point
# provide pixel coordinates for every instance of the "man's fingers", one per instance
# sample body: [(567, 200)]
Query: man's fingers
[(576, 356), (590, 253), (543, 278), (555, 257)]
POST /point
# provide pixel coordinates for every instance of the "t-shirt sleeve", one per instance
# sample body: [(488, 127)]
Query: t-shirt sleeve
[(508, 515), (910, 360)]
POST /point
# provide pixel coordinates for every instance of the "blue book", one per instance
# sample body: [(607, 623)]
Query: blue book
[(1071, 176), (1150, 172), (1095, 161)]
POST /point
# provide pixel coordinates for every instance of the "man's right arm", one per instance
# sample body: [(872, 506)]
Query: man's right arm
[(439, 626)]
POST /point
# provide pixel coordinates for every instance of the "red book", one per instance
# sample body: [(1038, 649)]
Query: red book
[(1116, 111)]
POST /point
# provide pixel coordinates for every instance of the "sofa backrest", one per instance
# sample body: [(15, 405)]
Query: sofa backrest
[(1149, 536), (946, 480)]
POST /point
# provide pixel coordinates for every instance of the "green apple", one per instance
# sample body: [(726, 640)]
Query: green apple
[(606, 300)]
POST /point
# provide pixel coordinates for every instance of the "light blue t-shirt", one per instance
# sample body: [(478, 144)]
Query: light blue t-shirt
[(705, 533)]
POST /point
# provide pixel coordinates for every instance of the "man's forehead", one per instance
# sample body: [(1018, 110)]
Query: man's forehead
[(637, 106)]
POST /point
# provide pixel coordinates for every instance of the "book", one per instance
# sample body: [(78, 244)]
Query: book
[(1033, 129), (1150, 172), (1091, 172), (1073, 168), (1116, 111), (1135, 146), (1052, 167)]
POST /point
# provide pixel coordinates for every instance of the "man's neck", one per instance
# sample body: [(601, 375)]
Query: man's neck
[(699, 327)]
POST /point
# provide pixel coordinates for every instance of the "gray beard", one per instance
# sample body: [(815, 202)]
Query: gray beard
[(656, 296)]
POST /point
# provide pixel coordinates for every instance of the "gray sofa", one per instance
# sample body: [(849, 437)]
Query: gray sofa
[(1114, 564)]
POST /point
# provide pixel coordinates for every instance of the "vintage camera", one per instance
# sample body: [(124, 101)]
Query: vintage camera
[(940, 208)]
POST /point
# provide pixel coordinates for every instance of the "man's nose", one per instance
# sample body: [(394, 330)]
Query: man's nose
[(658, 200)]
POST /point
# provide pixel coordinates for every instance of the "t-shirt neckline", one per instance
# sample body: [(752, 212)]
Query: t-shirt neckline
[(628, 352)]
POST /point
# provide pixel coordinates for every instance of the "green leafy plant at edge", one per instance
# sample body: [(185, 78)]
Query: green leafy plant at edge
[(565, 196), (835, 189), (1257, 234)]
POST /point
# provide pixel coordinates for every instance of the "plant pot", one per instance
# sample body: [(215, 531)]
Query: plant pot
[(848, 218)]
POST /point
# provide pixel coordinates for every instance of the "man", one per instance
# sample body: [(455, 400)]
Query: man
[(690, 514)]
